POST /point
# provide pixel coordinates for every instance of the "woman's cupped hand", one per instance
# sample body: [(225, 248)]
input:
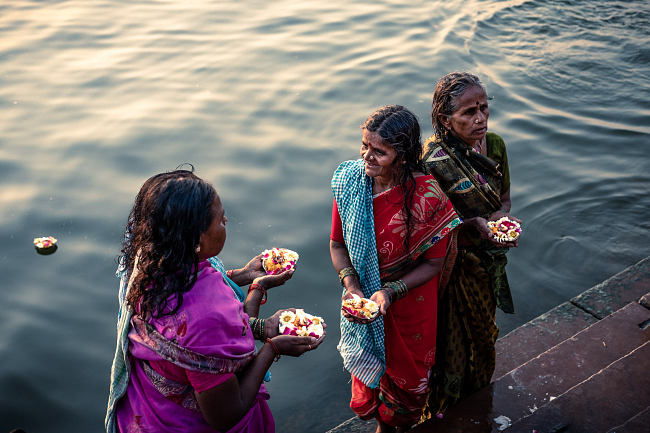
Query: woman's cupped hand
[(485, 233), (269, 281), (381, 297), (292, 345), (254, 268)]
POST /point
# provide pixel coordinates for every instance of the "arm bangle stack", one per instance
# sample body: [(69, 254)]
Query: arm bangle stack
[(257, 326), (259, 287), (229, 274), (397, 288), (346, 272), (275, 349)]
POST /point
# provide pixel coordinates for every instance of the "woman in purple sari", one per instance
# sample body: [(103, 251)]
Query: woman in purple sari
[(186, 359)]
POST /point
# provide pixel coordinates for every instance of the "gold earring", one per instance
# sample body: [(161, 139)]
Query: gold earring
[(198, 249)]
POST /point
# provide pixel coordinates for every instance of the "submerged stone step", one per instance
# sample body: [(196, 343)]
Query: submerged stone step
[(538, 335), (616, 397), (568, 318), (638, 423), (627, 286), (534, 384)]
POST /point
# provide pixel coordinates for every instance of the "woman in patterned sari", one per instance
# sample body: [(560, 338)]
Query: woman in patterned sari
[(185, 359), (471, 166), (390, 231)]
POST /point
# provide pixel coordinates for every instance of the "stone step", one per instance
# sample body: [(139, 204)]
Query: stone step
[(538, 335), (568, 318), (588, 407), (534, 384), (637, 424)]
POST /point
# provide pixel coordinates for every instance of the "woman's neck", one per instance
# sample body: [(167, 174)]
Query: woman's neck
[(380, 184), (476, 144)]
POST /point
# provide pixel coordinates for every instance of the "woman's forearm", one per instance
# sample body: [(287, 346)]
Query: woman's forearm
[(225, 405), (253, 302), (241, 277), (340, 260), (340, 256), (252, 376), (422, 273)]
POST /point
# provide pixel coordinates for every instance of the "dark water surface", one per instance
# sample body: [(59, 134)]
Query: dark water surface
[(265, 98)]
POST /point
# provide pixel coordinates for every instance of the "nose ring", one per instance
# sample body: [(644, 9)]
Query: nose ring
[(476, 121)]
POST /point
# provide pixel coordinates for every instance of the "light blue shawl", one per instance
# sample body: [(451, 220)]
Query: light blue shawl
[(361, 346)]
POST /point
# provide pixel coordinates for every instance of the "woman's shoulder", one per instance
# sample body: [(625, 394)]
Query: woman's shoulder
[(350, 165), (496, 147), (494, 139), (346, 172), (428, 187), (430, 140), (211, 285), (211, 304), (421, 178)]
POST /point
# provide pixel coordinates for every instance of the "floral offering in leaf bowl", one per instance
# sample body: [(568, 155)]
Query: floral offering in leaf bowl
[(45, 245), (362, 308), (278, 260), (301, 324), (505, 229)]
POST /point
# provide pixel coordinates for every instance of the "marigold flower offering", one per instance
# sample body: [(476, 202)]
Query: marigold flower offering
[(360, 307), (278, 260), (45, 244), (301, 324), (505, 229)]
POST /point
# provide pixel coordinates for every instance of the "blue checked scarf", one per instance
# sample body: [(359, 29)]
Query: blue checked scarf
[(121, 368), (361, 346)]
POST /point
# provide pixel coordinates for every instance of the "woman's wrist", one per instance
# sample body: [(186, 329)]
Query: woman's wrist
[(241, 277), (258, 327), (259, 288), (276, 351), (347, 272), (396, 289)]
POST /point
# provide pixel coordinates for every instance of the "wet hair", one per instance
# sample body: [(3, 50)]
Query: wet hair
[(399, 128), (170, 213), (445, 96)]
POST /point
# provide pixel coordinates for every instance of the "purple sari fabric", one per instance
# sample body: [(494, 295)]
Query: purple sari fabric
[(208, 334)]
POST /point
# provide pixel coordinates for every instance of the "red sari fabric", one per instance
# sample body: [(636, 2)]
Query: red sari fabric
[(410, 323)]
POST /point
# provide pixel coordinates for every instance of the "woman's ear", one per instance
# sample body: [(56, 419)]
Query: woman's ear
[(444, 119), (201, 247)]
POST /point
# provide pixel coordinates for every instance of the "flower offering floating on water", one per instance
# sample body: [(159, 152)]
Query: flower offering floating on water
[(278, 260), (505, 229), (45, 245), (360, 307), (301, 324)]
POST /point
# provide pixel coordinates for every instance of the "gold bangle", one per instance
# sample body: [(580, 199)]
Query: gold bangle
[(398, 288), (347, 272)]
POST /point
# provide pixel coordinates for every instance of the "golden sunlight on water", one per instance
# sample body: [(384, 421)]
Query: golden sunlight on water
[(265, 99)]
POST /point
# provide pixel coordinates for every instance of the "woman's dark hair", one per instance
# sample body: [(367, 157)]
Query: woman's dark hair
[(448, 90), (170, 213), (399, 128)]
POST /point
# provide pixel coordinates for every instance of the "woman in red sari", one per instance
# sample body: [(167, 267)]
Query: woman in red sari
[(388, 243)]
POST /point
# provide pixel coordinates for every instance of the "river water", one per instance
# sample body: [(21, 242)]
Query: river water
[(265, 99)]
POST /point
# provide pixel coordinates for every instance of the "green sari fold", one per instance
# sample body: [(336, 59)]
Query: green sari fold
[(467, 329)]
